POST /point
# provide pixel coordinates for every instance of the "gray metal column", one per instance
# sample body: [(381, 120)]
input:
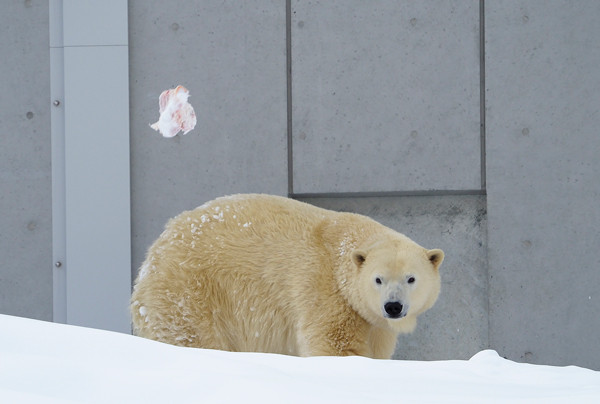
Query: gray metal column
[(91, 191)]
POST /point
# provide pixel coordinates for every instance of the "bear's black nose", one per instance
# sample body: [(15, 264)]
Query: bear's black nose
[(393, 309)]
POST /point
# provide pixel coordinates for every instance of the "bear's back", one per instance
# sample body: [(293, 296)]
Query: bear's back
[(255, 233)]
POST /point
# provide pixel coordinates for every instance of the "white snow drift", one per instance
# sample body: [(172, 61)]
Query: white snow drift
[(44, 362)]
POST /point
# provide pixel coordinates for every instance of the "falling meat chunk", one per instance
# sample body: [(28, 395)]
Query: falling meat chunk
[(176, 114)]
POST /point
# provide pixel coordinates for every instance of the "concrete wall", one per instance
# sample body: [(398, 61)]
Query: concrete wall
[(25, 180), (377, 109), (543, 115), (392, 86), (231, 56)]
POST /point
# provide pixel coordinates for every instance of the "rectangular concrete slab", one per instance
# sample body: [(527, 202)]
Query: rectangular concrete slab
[(456, 327), (543, 98), (385, 96), (231, 56)]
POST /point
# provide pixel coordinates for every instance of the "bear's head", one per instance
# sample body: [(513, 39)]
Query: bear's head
[(398, 280)]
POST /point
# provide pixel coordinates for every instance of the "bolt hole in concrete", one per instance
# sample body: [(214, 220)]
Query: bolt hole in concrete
[(29, 115)]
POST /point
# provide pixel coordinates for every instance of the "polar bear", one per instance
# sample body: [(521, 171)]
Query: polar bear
[(262, 273)]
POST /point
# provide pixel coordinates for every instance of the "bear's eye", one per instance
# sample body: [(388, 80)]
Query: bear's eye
[(378, 281), (411, 279)]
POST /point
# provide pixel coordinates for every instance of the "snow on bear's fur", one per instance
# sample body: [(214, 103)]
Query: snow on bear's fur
[(264, 273)]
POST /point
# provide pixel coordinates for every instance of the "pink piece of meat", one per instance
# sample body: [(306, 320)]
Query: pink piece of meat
[(176, 114)]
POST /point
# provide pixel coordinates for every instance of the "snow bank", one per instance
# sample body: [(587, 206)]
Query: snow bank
[(44, 362)]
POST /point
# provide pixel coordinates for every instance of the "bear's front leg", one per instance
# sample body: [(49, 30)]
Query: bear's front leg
[(346, 337)]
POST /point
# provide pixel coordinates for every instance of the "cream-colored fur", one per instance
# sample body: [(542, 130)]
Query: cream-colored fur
[(269, 274)]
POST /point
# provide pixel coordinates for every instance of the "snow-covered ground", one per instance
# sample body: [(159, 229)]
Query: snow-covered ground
[(42, 362)]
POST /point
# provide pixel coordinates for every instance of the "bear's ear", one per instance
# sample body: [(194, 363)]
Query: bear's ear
[(436, 257), (358, 257)]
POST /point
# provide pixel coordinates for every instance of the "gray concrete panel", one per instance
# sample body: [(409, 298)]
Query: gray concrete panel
[(231, 56), (386, 96), (543, 98), (456, 327), (25, 184)]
